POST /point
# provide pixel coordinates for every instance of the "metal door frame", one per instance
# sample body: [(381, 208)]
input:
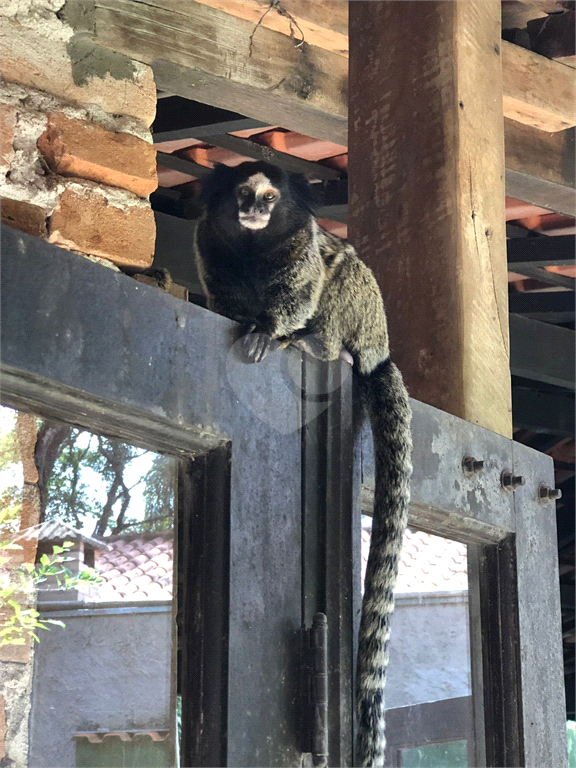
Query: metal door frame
[(90, 346)]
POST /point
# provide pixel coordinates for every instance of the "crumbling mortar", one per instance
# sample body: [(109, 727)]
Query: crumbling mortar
[(29, 178), (45, 192), (34, 101), (39, 16), (98, 260)]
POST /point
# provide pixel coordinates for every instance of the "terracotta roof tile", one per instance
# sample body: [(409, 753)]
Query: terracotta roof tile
[(137, 567), (140, 567), (427, 563)]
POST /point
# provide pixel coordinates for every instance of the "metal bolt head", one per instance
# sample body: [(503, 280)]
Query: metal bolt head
[(470, 464), (545, 493), (511, 481)]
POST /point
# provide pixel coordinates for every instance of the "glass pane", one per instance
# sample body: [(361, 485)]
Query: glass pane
[(86, 646), (450, 755), (428, 688)]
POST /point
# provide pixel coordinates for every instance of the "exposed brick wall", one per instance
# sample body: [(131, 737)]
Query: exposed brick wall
[(76, 158)]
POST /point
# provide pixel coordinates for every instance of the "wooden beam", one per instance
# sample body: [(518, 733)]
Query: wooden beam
[(553, 37), (540, 251), (530, 255), (260, 152), (549, 306), (546, 412), (174, 114), (201, 53), (537, 91), (540, 167), (426, 145), (167, 160), (549, 278), (542, 352), (323, 23)]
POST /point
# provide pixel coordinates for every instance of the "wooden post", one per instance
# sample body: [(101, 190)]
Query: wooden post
[(426, 143)]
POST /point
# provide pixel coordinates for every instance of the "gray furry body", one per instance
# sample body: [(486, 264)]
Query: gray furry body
[(264, 261)]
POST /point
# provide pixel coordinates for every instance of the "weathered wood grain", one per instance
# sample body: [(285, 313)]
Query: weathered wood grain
[(202, 54), (537, 91), (323, 23), (213, 50), (540, 167), (426, 145)]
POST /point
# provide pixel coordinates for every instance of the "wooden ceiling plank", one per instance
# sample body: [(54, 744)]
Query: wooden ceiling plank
[(542, 352), (202, 54), (543, 412), (540, 167), (551, 303), (314, 27), (537, 91), (259, 152), (540, 251), (550, 278), (553, 37), (210, 49), (166, 160)]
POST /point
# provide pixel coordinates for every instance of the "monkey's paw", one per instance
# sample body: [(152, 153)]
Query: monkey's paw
[(256, 346)]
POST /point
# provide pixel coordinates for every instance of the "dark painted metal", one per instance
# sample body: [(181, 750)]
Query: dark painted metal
[(539, 620), (499, 647), (203, 596), (319, 648), (510, 543), (445, 500), (95, 347), (434, 721), (91, 346), (331, 533)]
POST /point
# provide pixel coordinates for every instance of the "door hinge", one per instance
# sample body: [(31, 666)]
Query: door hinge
[(314, 649)]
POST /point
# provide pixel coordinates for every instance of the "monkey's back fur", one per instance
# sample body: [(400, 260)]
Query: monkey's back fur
[(290, 281)]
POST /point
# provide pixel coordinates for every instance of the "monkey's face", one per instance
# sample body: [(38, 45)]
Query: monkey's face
[(257, 197)]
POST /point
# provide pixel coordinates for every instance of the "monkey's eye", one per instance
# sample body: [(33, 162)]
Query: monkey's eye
[(269, 196), (244, 191)]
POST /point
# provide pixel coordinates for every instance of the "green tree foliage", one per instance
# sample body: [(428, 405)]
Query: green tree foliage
[(10, 492), (71, 497), (160, 483), (19, 618), (68, 460)]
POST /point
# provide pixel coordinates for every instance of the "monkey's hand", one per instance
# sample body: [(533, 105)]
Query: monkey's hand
[(256, 345)]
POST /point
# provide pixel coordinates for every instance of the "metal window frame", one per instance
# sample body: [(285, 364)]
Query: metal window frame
[(90, 346)]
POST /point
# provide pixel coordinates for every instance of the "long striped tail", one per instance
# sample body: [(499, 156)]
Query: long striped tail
[(386, 400)]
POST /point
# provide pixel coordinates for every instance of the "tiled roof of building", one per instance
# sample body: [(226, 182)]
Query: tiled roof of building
[(56, 530), (427, 564), (137, 567)]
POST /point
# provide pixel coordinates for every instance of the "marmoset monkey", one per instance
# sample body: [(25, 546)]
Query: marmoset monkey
[(264, 261)]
